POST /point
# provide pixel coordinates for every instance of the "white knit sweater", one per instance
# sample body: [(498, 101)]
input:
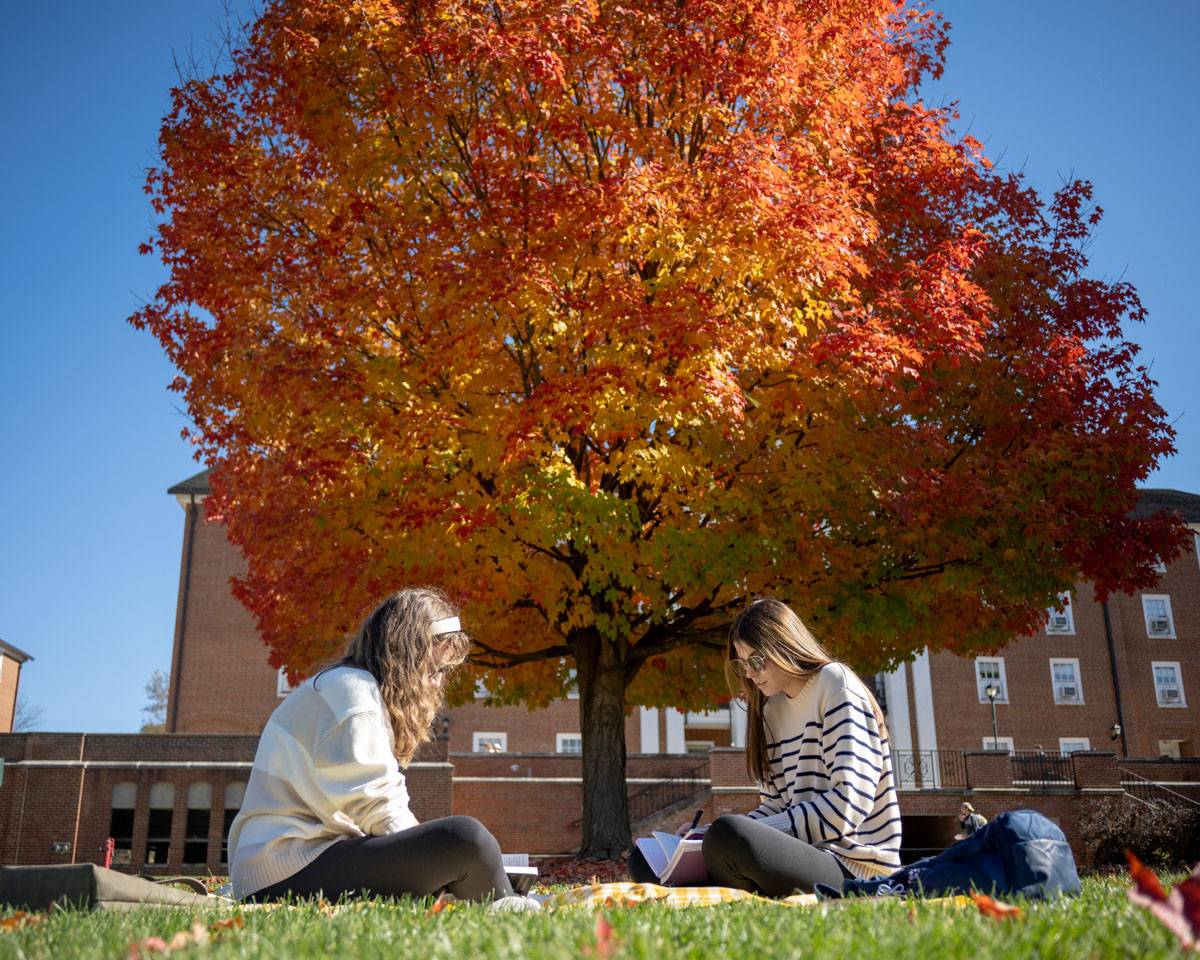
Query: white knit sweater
[(324, 771), (831, 773)]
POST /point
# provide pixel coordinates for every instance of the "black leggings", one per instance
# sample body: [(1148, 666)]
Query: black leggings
[(743, 853), (454, 855)]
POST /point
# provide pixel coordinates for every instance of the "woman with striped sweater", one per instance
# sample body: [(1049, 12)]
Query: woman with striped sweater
[(818, 747)]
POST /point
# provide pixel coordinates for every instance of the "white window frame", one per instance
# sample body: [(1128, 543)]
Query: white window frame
[(479, 737), (1059, 685), (1064, 744), (1160, 567), (481, 690), (1160, 688), (1169, 633), (981, 682), (1065, 626), (282, 685), (1005, 742), (560, 739), (1170, 751)]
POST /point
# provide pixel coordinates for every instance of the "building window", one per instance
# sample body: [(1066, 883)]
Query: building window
[(283, 686), (1160, 567), (195, 831), (120, 823), (481, 690), (493, 742), (1004, 744), (158, 831), (235, 793), (1061, 622), (568, 743), (989, 672), (1064, 675), (1073, 744), (1171, 748), (1168, 684), (1157, 610)]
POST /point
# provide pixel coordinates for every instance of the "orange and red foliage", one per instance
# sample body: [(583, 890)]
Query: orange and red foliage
[(609, 316)]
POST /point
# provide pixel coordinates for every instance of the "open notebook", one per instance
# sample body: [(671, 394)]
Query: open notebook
[(520, 874), (676, 861)]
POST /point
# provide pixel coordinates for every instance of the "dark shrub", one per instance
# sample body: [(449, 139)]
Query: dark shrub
[(1157, 835)]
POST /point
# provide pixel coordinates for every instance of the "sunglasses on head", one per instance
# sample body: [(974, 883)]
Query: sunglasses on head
[(755, 662)]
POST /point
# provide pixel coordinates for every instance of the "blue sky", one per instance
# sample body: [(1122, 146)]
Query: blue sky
[(89, 434)]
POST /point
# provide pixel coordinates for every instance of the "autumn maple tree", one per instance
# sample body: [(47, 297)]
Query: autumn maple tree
[(607, 317)]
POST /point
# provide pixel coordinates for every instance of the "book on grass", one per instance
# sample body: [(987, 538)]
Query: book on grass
[(520, 874), (676, 861)]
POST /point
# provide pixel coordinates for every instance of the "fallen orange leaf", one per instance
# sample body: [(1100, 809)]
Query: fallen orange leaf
[(445, 902), (20, 919), (996, 909)]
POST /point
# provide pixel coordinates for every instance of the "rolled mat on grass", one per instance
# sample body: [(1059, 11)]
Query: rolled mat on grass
[(89, 886), (627, 894)]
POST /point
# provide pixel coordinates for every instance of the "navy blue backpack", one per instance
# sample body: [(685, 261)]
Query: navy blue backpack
[(1020, 853)]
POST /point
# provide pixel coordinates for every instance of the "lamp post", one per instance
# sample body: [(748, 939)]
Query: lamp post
[(991, 691)]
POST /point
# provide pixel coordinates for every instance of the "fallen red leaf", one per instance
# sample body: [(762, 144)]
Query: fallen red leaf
[(1179, 910), (143, 948), (1146, 879), (996, 909), (606, 942), (1189, 893), (198, 936)]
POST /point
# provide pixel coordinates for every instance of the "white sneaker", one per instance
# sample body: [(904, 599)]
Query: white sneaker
[(515, 905)]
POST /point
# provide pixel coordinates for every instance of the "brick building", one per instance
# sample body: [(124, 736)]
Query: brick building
[(11, 660), (1099, 676)]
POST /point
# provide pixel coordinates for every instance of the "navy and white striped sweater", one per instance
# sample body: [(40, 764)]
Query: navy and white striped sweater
[(831, 773)]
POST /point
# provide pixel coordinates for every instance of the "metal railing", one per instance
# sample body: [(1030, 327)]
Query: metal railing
[(1153, 794), (929, 769), (1043, 769), (669, 791)]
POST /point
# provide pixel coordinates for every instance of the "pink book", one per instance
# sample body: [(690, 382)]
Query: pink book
[(676, 861)]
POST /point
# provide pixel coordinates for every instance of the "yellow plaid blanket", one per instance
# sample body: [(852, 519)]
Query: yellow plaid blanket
[(626, 894)]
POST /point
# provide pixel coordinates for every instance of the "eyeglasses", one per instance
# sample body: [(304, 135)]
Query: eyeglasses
[(755, 662)]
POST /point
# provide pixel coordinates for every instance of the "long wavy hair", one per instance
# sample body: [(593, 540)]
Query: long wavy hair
[(772, 629), (396, 645)]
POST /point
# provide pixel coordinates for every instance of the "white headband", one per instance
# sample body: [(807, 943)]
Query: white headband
[(448, 625)]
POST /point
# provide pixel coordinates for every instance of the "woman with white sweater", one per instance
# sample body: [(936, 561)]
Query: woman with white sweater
[(818, 747), (326, 809)]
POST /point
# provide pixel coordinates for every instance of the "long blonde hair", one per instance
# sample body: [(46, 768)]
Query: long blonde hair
[(772, 629), (397, 646)]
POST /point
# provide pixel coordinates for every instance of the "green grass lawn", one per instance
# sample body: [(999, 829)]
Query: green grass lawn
[(1099, 923)]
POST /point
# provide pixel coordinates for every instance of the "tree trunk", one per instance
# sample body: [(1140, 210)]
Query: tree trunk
[(601, 676)]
